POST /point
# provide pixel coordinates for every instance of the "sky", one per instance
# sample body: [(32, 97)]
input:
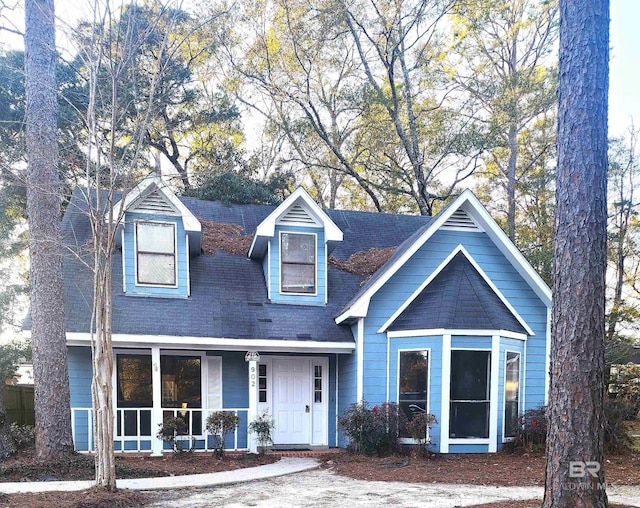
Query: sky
[(624, 66)]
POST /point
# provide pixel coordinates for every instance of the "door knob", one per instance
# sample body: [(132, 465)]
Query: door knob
[(306, 408)]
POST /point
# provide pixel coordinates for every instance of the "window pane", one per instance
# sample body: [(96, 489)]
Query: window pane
[(469, 407), (297, 248), (181, 381), (412, 379), (470, 375), (469, 420), (134, 381), (155, 237), (298, 278), (156, 269), (511, 393)]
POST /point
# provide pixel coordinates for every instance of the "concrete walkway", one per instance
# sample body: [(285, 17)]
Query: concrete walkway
[(284, 466)]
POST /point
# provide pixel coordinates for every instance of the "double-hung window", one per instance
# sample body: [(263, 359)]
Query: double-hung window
[(511, 393), (470, 394), (298, 263), (413, 383), (155, 253)]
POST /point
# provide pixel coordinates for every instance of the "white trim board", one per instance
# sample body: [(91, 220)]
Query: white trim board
[(470, 204), (218, 343), (452, 331), (436, 272)]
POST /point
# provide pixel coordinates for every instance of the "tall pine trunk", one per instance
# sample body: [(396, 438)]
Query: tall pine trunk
[(574, 448), (53, 413)]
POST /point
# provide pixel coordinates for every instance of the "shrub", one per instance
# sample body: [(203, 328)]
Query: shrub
[(616, 436), (263, 427), (220, 424), (171, 428), (23, 435), (418, 428), (373, 430), (532, 431)]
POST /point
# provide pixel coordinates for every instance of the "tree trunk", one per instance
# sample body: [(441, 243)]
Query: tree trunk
[(102, 373), (574, 447), (53, 413), (511, 182), (7, 446)]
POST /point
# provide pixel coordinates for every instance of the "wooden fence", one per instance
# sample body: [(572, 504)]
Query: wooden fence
[(19, 404)]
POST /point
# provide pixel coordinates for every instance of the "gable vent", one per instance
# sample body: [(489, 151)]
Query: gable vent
[(155, 203), (461, 220), (297, 215)]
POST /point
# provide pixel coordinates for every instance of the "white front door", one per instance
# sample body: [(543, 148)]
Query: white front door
[(291, 400)]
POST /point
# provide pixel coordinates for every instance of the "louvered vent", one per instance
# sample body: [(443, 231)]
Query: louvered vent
[(155, 203), (297, 215), (461, 220)]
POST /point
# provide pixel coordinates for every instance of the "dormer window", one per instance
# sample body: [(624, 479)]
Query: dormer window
[(156, 253), (298, 263)]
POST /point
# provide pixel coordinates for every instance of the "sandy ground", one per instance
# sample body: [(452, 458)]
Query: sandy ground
[(322, 488)]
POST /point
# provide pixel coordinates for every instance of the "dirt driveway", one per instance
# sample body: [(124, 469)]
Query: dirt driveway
[(322, 488)]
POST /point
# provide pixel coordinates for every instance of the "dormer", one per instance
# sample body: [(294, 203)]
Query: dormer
[(293, 243), (158, 235)]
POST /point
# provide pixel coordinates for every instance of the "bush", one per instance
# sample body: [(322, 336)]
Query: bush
[(374, 430), (171, 428), (23, 435), (616, 436), (418, 428), (263, 427), (532, 432), (220, 424)]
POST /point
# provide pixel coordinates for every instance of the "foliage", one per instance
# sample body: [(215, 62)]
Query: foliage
[(10, 354), (263, 427), (616, 435), (625, 383), (235, 187), (24, 436), (418, 428), (173, 430), (531, 435), (220, 424), (374, 430)]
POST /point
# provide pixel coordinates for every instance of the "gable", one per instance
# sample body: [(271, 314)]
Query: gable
[(458, 298), (154, 203), (297, 215), (478, 215)]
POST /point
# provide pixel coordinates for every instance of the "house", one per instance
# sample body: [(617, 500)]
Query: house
[(252, 308)]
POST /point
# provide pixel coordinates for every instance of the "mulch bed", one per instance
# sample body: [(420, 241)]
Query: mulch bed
[(24, 467), (502, 469), (531, 503)]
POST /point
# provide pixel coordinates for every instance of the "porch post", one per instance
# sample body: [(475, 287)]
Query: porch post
[(156, 411), (252, 358)]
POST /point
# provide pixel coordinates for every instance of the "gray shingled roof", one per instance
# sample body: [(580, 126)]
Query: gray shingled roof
[(458, 298), (228, 293)]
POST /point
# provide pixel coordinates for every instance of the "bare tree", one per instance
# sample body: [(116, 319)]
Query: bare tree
[(53, 412), (574, 476)]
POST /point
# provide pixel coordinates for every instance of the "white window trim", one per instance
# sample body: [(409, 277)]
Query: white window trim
[(315, 273), (135, 254), (506, 439), (492, 403), (410, 440)]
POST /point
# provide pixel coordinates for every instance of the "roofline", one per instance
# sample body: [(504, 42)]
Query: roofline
[(190, 222), (267, 227), (435, 273), (502, 241), (218, 343)]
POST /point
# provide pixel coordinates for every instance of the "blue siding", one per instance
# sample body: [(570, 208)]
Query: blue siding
[(468, 448), (347, 384), (182, 290), (80, 377), (408, 278), (321, 263)]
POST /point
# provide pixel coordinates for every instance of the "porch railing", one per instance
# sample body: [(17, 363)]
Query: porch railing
[(134, 429)]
